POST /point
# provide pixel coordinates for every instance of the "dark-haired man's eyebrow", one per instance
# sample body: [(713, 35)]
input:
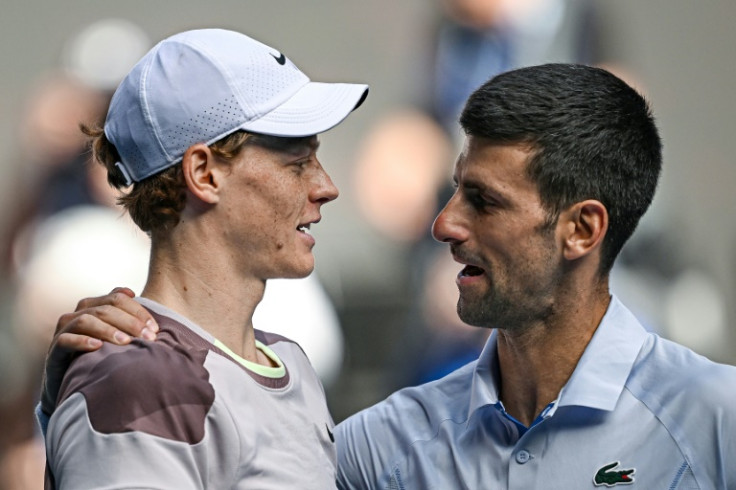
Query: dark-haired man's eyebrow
[(483, 188)]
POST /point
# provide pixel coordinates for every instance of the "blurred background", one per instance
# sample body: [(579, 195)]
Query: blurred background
[(378, 313)]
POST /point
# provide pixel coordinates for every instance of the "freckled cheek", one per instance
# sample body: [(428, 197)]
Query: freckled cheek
[(275, 213), (281, 229)]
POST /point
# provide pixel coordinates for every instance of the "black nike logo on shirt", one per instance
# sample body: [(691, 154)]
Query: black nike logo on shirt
[(281, 60), (329, 433)]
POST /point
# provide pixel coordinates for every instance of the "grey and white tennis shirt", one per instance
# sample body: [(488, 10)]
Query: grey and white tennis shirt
[(183, 412)]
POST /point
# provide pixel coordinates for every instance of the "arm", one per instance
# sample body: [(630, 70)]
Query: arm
[(355, 455), (138, 416), (114, 318), (82, 458)]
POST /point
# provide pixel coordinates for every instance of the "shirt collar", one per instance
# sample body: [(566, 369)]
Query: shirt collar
[(602, 371), (600, 375), (484, 389)]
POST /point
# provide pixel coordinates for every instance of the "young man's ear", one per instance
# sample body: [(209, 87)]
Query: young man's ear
[(584, 226), (201, 173)]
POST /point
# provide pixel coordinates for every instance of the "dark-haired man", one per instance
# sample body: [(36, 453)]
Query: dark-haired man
[(559, 164)]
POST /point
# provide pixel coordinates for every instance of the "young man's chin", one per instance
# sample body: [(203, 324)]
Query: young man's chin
[(298, 271)]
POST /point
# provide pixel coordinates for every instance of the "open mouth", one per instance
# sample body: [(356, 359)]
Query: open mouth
[(471, 271), (304, 228)]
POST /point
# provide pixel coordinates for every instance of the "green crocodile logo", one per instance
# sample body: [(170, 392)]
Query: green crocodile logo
[(609, 478)]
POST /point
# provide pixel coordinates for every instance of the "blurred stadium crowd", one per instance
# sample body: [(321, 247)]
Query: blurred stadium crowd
[(64, 237)]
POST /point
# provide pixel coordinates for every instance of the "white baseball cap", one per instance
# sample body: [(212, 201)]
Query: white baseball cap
[(200, 86)]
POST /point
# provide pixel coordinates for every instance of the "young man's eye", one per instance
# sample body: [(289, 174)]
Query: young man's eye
[(301, 164)]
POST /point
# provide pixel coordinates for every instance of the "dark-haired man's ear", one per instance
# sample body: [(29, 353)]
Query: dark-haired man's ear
[(584, 226), (201, 173)]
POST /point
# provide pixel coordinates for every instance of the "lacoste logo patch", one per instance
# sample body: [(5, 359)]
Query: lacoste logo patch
[(609, 477), (281, 60)]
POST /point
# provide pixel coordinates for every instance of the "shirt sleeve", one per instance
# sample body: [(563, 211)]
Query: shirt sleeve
[(81, 458), (348, 462), (362, 453), (140, 416)]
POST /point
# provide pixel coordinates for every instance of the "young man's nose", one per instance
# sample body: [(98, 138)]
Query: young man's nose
[(324, 189)]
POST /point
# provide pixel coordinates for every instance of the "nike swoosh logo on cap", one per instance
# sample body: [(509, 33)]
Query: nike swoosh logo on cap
[(281, 60)]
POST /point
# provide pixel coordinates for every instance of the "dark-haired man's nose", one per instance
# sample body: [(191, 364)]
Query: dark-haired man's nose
[(449, 225)]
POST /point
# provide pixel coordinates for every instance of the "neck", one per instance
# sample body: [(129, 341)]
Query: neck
[(193, 279), (537, 360)]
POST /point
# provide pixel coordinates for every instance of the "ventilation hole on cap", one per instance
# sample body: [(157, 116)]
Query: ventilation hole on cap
[(211, 122)]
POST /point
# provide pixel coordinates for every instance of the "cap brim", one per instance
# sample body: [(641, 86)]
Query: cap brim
[(314, 109)]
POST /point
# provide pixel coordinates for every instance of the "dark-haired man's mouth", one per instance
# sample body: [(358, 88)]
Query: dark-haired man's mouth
[(471, 270)]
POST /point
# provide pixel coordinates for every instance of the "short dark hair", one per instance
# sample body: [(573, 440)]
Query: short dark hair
[(593, 137)]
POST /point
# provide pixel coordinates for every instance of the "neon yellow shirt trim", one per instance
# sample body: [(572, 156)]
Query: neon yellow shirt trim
[(267, 371)]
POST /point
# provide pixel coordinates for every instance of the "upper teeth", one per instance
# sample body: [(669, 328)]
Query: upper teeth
[(303, 228)]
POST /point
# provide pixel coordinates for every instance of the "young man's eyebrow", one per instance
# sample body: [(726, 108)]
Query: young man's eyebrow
[(289, 145)]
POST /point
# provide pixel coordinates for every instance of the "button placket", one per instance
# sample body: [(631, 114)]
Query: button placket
[(523, 456)]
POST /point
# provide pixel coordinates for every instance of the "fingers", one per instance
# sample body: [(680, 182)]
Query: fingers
[(76, 330), (114, 318), (78, 343), (124, 290)]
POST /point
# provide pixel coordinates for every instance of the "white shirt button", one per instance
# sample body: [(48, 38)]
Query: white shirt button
[(523, 456)]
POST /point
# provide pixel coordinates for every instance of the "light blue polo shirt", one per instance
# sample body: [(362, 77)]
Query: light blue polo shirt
[(638, 412)]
